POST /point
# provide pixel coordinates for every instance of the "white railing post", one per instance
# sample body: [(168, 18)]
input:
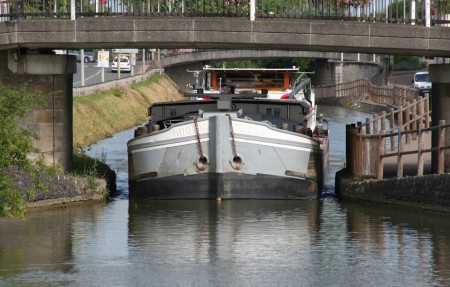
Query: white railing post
[(82, 66), (427, 13), (252, 10), (72, 10), (374, 10), (387, 12), (413, 12)]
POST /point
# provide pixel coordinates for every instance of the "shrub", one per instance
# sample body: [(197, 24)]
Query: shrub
[(15, 144)]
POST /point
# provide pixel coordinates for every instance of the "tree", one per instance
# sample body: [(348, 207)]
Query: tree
[(16, 143)]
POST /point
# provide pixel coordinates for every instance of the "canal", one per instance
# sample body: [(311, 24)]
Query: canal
[(231, 243)]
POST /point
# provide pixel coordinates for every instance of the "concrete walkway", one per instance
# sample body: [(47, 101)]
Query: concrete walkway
[(410, 162)]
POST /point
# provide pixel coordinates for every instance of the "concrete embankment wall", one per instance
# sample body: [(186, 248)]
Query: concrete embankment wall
[(430, 192), (359, 102), (335, 72)]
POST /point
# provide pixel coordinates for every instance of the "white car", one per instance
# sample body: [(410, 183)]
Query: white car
[(422, 82), (125, 64)]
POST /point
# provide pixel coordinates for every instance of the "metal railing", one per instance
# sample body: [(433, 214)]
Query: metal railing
[(383, 11)]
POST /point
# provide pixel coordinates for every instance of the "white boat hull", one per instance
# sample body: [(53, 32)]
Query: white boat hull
[(247, 159)]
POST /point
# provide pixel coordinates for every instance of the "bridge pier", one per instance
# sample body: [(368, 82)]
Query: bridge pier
[(440, 106), (51, 75)]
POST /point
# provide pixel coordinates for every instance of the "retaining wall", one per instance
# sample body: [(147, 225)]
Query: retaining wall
[(430, 192), (358, 102)]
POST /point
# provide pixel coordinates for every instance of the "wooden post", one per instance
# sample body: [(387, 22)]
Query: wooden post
[(395, 100), (441, 145), (363, 154), (400, 156), (420, 148), (360, 126), (350, 147), (407, 123), (400, 125), (391, 126), (381, 152), (357, 151), (420, 112), (375, 124), (403, 103), (368, 126), (383, 120), (383, 126)]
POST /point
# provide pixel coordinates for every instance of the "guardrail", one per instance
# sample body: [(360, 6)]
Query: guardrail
[(367, 147), (382, 11)]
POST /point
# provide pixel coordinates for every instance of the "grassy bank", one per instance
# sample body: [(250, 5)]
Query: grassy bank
[(100, 115)]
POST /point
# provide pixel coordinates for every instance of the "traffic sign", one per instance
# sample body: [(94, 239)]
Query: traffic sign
[(125, 51)]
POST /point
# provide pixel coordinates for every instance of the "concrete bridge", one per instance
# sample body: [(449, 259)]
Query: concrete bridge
[(30, 30), (234, 55), (228, 33)]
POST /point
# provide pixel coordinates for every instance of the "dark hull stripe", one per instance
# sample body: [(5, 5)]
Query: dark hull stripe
[(224, 186)]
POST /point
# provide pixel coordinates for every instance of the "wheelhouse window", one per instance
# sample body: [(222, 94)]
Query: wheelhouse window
[(250, 80)]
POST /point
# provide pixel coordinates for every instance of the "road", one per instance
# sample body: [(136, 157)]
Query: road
[(402, 78), (92, 74)]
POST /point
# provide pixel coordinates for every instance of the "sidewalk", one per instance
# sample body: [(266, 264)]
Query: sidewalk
[(410, 161)]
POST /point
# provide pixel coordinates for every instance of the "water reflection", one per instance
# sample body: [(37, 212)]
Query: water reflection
[(113, 152), (421, 239), (41, 244), (225, 244), (234, 243), (279, 243)]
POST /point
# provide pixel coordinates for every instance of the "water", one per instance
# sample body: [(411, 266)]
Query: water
[(232, 243)]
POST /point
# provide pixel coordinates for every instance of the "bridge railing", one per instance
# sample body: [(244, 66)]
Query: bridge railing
[(383, 11)]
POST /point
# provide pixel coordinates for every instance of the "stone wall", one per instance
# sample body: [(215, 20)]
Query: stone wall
[(62, 188), (428, 192)]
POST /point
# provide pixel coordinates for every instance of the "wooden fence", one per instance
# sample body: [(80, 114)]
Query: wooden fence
[(392, 95), (370, 143)]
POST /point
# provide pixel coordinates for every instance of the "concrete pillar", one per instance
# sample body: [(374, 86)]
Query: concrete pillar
[(440, 105), (51, 75)]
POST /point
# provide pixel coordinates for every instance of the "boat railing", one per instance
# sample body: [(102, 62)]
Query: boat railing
[(223, 96)]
